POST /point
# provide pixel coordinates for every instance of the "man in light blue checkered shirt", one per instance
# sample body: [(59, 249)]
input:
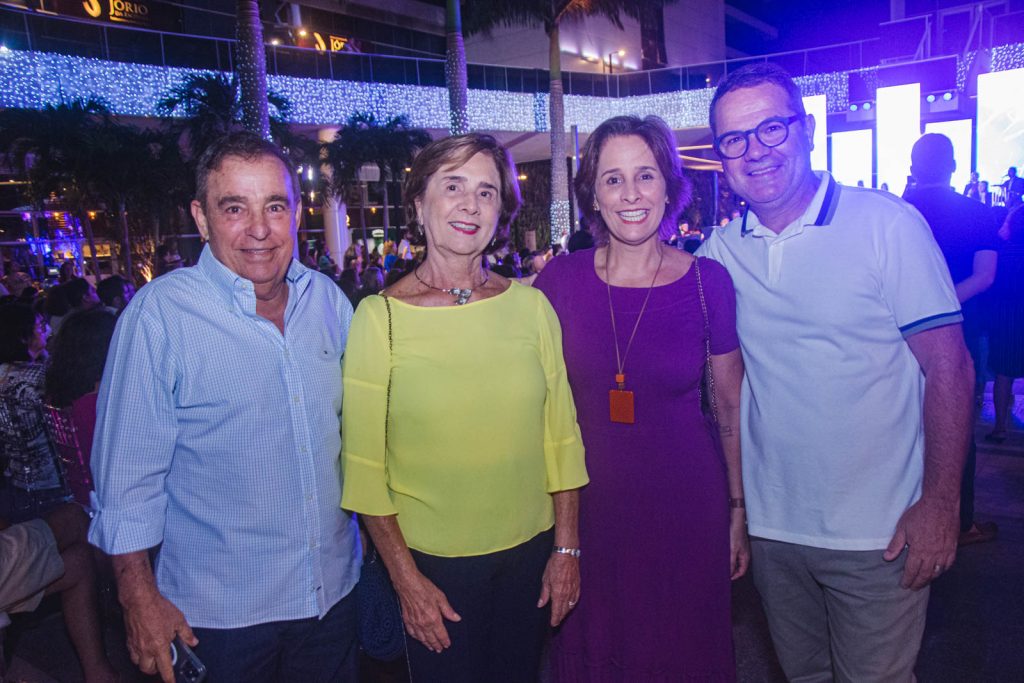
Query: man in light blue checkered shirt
[(217, 442)]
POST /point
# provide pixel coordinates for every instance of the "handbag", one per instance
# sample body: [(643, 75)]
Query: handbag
[(380, 628), (706, 388)]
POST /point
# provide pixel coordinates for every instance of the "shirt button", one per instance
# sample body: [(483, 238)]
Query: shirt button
[(295, 398)]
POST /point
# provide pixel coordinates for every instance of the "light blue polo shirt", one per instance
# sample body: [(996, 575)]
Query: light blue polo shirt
[(832, 401)]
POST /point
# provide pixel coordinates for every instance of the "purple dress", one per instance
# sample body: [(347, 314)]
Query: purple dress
[(654, 520)]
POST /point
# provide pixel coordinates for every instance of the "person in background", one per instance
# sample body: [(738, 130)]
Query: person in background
[(578, 241), (973, 190), (965, 231), (857, 399), (217, 442), (35, 477), (73, 379), (115, 292), (1006, 348), (664, 481), (50, 555), (469, 494)]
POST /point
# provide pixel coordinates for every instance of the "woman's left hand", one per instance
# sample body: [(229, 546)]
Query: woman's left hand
[(560, 585), (739, 544)]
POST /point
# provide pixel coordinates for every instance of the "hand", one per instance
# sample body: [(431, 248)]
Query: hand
[(151, 622), (739, 544), (930, 529), (424, 608), (560, 585)]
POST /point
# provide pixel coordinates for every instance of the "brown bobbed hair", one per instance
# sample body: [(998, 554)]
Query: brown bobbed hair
[(659, 139), (453, 152)]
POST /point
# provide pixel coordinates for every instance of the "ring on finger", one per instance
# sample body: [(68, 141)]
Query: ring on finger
[(572, 603), (938, 569)]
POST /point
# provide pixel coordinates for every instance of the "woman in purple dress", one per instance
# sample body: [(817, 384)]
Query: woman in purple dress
[(662, 525)]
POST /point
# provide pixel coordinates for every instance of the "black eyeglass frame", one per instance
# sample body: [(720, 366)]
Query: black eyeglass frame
[(787, 121)]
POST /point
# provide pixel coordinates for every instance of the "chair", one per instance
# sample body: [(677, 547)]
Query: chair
[(64, 437)]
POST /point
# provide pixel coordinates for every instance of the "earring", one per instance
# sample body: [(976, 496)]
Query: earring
[(666, 200), (596, 207)]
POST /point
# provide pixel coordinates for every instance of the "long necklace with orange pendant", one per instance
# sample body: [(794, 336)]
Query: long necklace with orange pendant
[(620, 400)]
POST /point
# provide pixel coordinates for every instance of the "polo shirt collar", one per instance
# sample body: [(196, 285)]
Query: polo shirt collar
[(819, 212), (232, 287)]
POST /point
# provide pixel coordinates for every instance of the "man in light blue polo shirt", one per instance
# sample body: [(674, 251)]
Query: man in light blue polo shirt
[(217, 444), (857, 399)]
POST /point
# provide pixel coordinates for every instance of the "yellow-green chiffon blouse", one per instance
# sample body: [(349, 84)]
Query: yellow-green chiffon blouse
[(481, 427)]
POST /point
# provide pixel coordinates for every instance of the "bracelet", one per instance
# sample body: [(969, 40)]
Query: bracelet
[(573, 552), (737, 503)]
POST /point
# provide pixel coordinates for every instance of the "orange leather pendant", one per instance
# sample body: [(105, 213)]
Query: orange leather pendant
[(620, 403)]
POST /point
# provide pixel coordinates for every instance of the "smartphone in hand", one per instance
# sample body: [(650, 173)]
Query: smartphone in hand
[(187, 667)]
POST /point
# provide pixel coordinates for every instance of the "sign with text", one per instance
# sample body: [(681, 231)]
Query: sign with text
[(144, 13)]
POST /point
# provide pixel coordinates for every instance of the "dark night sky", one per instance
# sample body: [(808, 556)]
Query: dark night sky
[(811, 23)]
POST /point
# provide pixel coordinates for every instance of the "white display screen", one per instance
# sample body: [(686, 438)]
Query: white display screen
[(851, 157), (898, 126), (960, 134), (1000, 124), (815, 106)]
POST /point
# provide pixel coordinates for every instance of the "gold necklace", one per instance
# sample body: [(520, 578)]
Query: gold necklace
[(620, 400)]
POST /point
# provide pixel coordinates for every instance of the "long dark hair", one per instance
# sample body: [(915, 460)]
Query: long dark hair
[(78, 355)]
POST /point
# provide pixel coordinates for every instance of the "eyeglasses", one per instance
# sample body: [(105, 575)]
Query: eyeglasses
[(771, 132)]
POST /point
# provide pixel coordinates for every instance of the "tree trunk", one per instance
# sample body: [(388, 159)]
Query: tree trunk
[(455, 71), (91, 240), (37, 215), (362, 213), (387, 210), (126, 243), (559, 175), (252, 69)]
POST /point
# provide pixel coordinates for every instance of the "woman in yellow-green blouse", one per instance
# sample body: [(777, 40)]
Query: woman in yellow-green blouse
[(461, 450)]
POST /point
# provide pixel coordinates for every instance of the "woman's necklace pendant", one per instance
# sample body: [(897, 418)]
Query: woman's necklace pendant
[(620, 402), (461, 295)]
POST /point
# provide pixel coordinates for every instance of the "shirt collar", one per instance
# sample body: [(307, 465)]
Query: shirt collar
[(233, 287), (818, 213)]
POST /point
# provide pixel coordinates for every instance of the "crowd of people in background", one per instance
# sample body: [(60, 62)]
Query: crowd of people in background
[(183, 389)]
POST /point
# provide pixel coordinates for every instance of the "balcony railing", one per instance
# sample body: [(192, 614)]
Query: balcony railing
[(28, 30)]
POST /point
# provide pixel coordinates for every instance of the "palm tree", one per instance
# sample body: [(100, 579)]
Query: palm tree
[(252, 69), (455, 70), (48, 146), (482, 17), (363, 141), (210, 106)]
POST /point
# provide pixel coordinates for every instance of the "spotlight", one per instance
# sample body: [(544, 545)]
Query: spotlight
[(947, 96), (867, 105), (303, 32), (854, 107), (930, 98), (275, 41)]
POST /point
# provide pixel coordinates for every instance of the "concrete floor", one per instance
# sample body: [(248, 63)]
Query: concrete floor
[(974, 634)]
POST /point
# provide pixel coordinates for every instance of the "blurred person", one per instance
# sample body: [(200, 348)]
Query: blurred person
[(115, 292), (578, 242), (73, 379), (1006, 348), (965, 231), (1013, 188), (662, 480), (217, 442), (46, 556), (68, 271), (973, 188), (857, 398), (469, 494), (371, 282), (35, 477)]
